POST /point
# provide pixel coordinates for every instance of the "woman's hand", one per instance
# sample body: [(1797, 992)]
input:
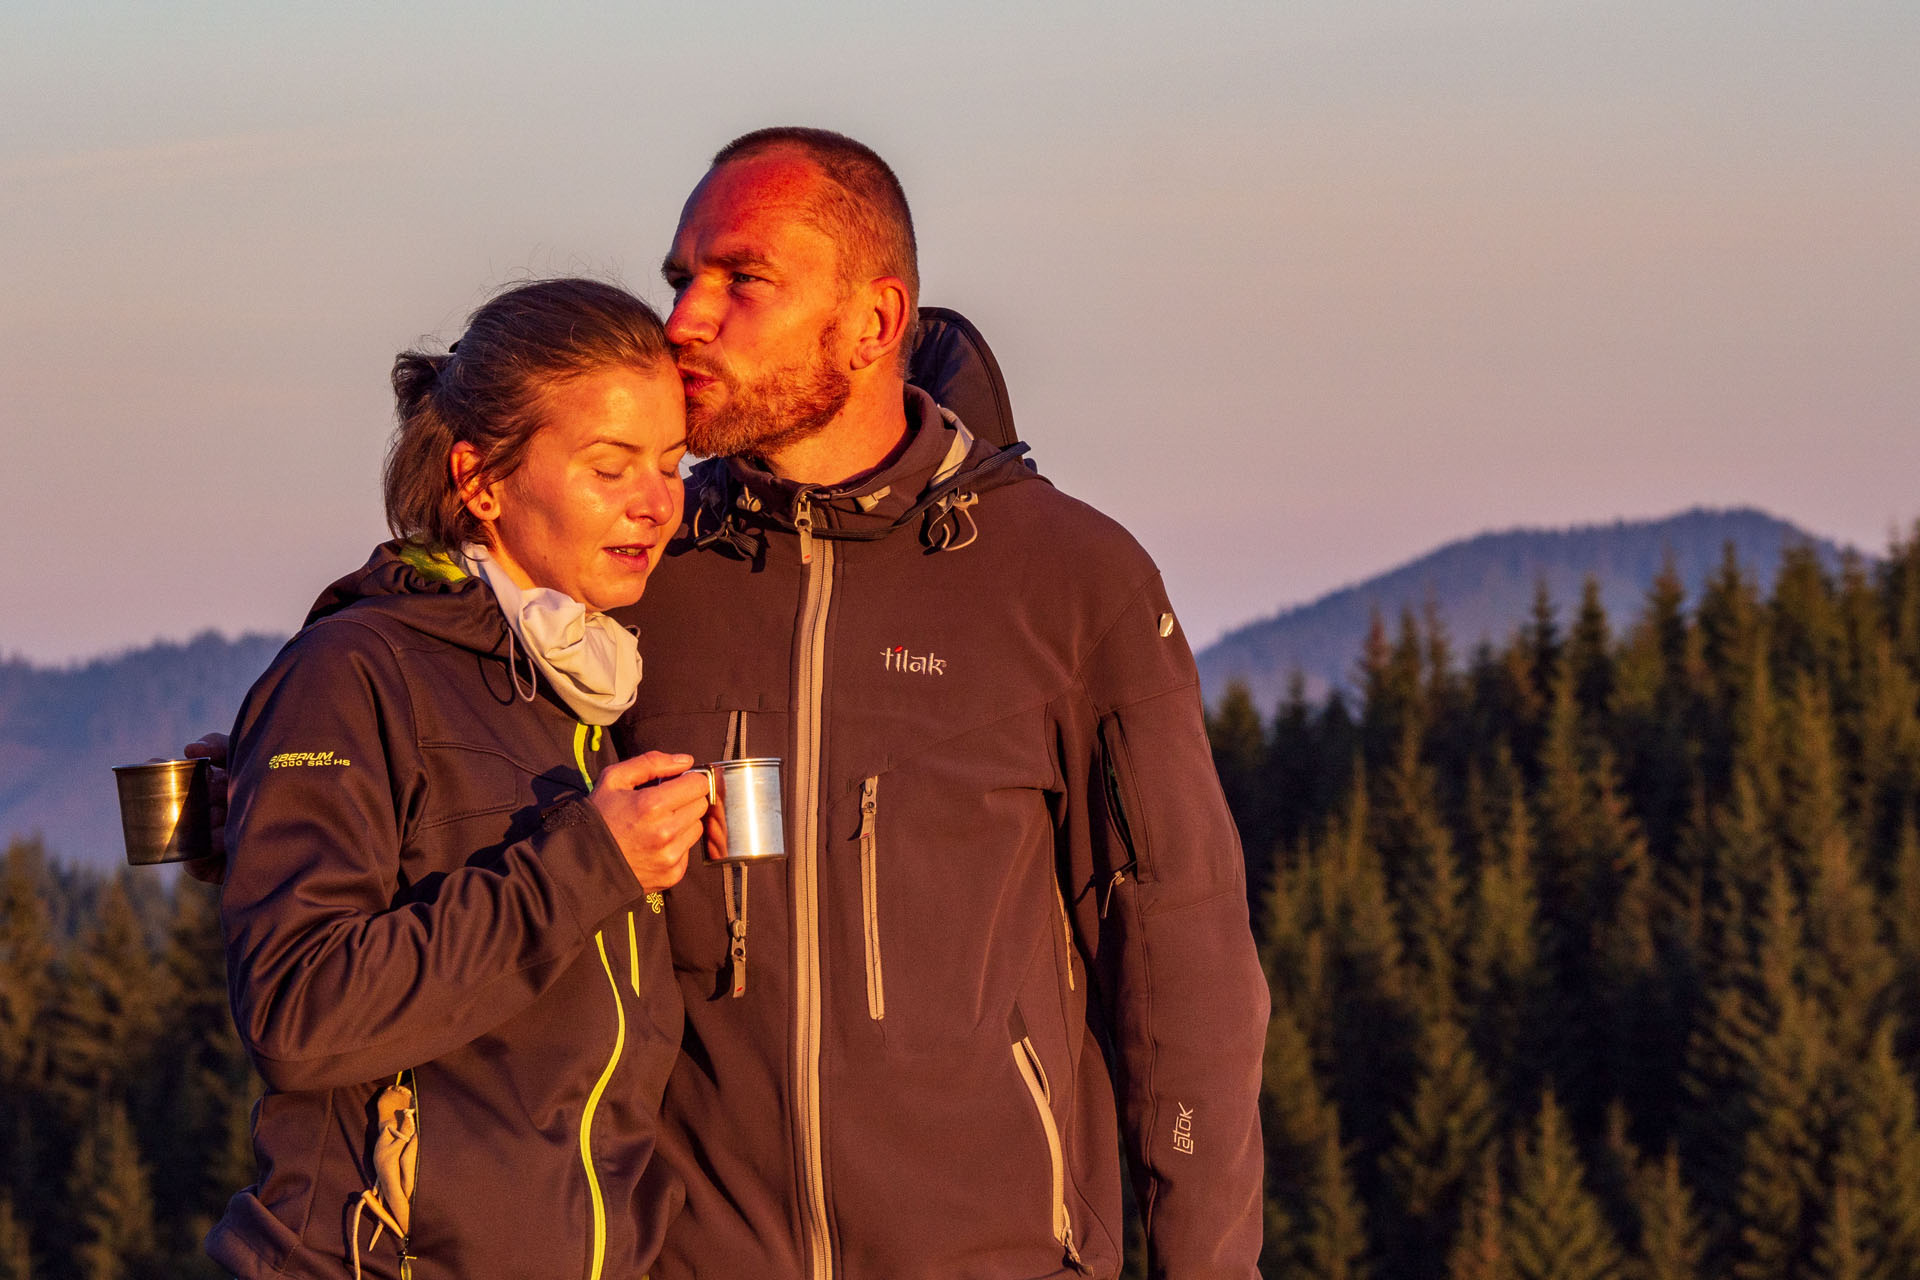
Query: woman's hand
[(656, 825), (212, 748)]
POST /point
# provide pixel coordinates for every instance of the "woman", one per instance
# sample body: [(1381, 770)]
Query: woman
[(442, 909)]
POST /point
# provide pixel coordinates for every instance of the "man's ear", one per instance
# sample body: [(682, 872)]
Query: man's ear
[(464, 462), (883, 319)]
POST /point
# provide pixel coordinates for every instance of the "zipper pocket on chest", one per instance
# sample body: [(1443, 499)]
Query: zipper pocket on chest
[(870, 895)]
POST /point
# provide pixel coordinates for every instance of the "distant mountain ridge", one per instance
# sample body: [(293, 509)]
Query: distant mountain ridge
[(1484, 587), (63, 729)]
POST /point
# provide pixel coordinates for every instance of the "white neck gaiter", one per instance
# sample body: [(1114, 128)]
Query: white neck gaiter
[(592, 661)]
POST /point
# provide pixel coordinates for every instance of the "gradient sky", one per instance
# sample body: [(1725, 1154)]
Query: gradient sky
[(1295, 291)]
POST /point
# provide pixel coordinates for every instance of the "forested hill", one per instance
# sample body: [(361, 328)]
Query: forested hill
[(1485, 586), (62, 731)]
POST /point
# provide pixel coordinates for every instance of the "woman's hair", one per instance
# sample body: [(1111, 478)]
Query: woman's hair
[(488, 388)]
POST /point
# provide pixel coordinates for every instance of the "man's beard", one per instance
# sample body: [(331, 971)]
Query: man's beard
[(774, 411)]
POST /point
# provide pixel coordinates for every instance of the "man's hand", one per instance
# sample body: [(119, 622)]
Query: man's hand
[(656, 825), (213, 748)]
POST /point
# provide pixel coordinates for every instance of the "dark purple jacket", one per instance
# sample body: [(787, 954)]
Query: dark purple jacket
[(1013, 930), (416, 883)]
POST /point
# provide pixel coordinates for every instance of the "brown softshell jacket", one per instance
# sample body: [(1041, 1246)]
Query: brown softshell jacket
[(417, 884), (1011, 862)]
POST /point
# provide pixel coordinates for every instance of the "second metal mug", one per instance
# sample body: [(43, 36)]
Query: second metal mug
[(745, 795), (164, 810)]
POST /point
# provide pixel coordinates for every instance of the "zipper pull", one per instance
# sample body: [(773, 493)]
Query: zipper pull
[(869, 805), (803, 521), (1113, 885), (738, 954)]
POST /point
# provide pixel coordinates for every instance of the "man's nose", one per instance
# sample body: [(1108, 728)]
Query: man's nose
[(694, 317)]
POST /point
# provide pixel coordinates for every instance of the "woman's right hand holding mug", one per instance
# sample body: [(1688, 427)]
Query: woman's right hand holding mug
[(655, 809)]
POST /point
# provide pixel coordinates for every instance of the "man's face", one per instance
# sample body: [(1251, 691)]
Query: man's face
[(756, 325)]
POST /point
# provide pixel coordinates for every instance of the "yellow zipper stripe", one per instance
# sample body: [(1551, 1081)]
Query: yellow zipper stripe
[(593, 1105), (633, 957), (580, 753)]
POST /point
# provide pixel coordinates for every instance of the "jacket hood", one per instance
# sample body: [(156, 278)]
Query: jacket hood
[(942, 469), (443, 600)]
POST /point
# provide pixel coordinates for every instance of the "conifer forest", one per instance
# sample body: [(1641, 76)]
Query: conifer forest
[(1595, 955)]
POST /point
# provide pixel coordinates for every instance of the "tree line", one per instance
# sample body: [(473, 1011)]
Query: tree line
[(1596, 953), (124, 1092)]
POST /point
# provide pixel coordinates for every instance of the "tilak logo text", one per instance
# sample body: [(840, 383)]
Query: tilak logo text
[(919, 664)]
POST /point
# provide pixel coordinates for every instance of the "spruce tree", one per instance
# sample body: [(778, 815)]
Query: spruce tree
[(1416, 847), (1554, 1227), (1367, 1022), (1672, 1240), (1837, 1254), (1776, 1198), (1590, 658), (1507, 991), (107, 1190), (26, 989), (1657, 685), (1899, 578), (26, 968), (1884, 754), (1479, 1250), (1877, 1157), (1334, 1240), (1441, 1138), (1735, 666), (1807, 634), (187, 1104), (1240, 759), (1296, 796), (111, 1004), (16, 1254)]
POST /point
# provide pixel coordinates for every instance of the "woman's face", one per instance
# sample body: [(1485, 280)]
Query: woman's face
[(598, 491)]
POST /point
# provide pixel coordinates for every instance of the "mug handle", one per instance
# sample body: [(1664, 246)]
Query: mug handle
[(712, 797)]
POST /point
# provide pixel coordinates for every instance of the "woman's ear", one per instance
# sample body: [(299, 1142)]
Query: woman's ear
[(482, 504)]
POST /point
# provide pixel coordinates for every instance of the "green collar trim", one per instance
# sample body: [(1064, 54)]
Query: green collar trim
[(437, 565)]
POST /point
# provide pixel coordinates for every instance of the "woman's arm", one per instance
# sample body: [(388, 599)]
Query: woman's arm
[(336, 976)]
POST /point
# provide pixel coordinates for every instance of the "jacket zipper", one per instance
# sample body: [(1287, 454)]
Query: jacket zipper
[(1066, 929), (870, 897), (1027, 1059), (806, 894), (1120, 823), (596, 1198), (598, 1205)]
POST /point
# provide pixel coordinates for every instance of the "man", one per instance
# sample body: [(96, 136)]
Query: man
[(1012, 929)]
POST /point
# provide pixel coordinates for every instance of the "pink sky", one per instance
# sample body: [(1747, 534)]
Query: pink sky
[(1296, 292)]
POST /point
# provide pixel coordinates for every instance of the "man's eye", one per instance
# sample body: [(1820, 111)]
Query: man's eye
[(741, 277), (607, 475)]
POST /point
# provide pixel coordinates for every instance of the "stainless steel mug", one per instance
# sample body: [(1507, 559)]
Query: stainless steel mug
[(164, 810), (745, 795)]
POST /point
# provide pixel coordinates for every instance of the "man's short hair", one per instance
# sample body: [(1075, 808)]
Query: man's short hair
[(861, 208)]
